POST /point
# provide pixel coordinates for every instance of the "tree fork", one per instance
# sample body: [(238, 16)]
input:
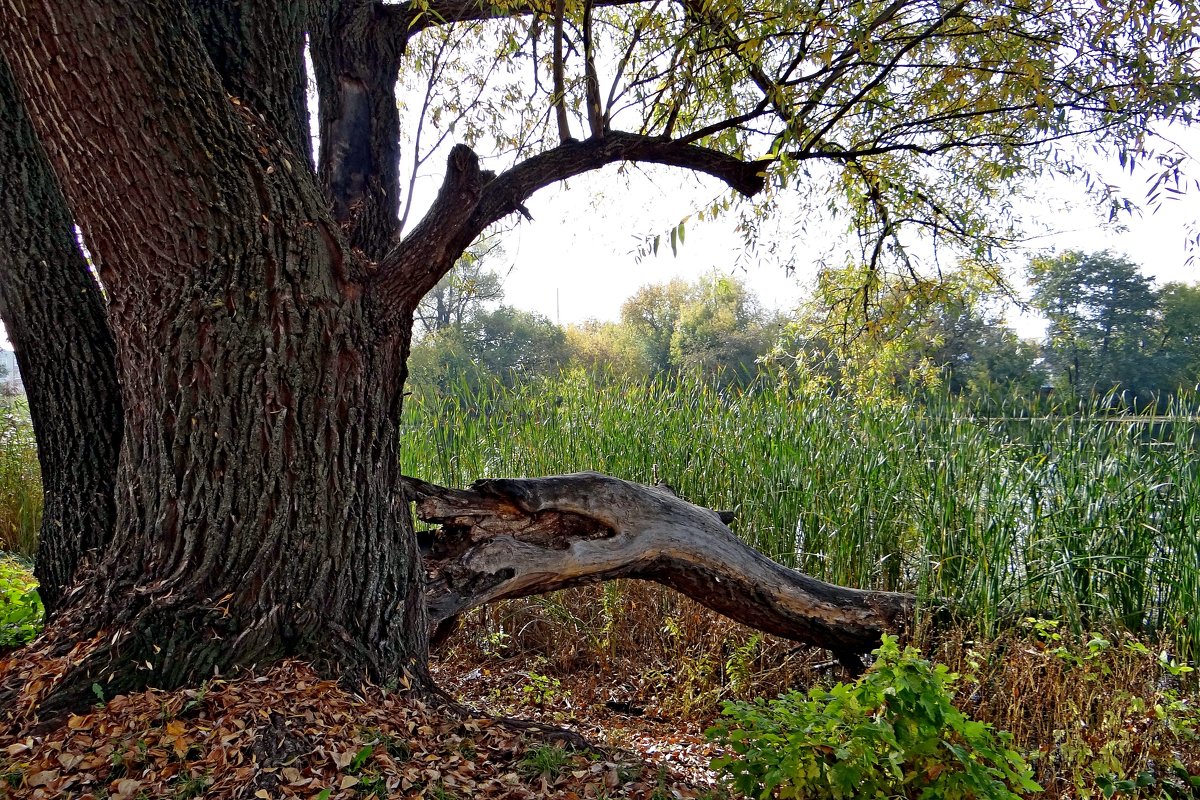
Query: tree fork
[(512, 538)]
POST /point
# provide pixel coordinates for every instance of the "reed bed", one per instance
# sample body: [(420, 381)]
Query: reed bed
[(20, 481), (1067, 542), (1088, 518)]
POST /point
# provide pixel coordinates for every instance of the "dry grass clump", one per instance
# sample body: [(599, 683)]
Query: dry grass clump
[(670, 655), (1085, 708)]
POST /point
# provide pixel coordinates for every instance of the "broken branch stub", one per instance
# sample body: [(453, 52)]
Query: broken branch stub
[(509, 538)]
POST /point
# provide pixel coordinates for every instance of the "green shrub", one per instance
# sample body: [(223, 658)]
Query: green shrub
[(892, 733), (21, 608)]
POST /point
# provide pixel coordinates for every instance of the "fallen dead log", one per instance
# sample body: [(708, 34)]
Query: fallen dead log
[(509, 538)]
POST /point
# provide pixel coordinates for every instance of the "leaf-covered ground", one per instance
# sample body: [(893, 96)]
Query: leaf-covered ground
[(612, 710), (287, 733)]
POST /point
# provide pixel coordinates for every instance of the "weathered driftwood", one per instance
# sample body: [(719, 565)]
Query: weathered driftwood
[(509, 538)]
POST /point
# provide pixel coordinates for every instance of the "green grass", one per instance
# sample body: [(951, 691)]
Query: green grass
[(544, 760), (1076, 517), (20, 481), (21, 608)]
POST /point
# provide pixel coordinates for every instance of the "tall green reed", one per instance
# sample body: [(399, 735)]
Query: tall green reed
[(20, 481), (1074, 516)]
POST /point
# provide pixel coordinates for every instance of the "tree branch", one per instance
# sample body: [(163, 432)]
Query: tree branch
[(356, 61), (407, 19), (470, 200), (415, 266), (559, 68), (504, 195), (517, 538), (596, 121)]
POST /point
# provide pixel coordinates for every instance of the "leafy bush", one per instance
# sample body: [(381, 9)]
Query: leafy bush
[(21, 608), (892, 733)]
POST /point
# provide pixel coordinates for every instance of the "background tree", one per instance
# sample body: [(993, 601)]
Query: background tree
[(978, 353), (606, 347), (882, 338), (463, 292), (651, 315), (722, 332), (712, 326), (513, 344), (1102, 321), (1178, 354), (262, 306)]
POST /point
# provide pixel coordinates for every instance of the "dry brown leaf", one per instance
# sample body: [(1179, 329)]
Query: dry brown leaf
[(43, 778), (126, 787)]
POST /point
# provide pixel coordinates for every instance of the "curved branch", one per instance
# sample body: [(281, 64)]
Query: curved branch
[(472, 199), (517, 538), (415, 266), (406, 19), (510, 189)]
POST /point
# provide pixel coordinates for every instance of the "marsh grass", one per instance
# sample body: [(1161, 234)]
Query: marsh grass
[(1089, 518), (1092, 519), (20, 481), (1068, 542)]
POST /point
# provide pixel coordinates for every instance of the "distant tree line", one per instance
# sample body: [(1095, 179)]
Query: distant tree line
[(1110, 333), (714, 326)]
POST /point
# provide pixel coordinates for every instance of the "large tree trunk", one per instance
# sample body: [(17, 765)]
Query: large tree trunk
[(54, 315), (255, 510), (261, 334)]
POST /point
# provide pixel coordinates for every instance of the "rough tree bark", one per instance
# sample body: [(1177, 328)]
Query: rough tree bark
[(257, 50), (255, 512), (356, 52), (54, 315), (512, 538)]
